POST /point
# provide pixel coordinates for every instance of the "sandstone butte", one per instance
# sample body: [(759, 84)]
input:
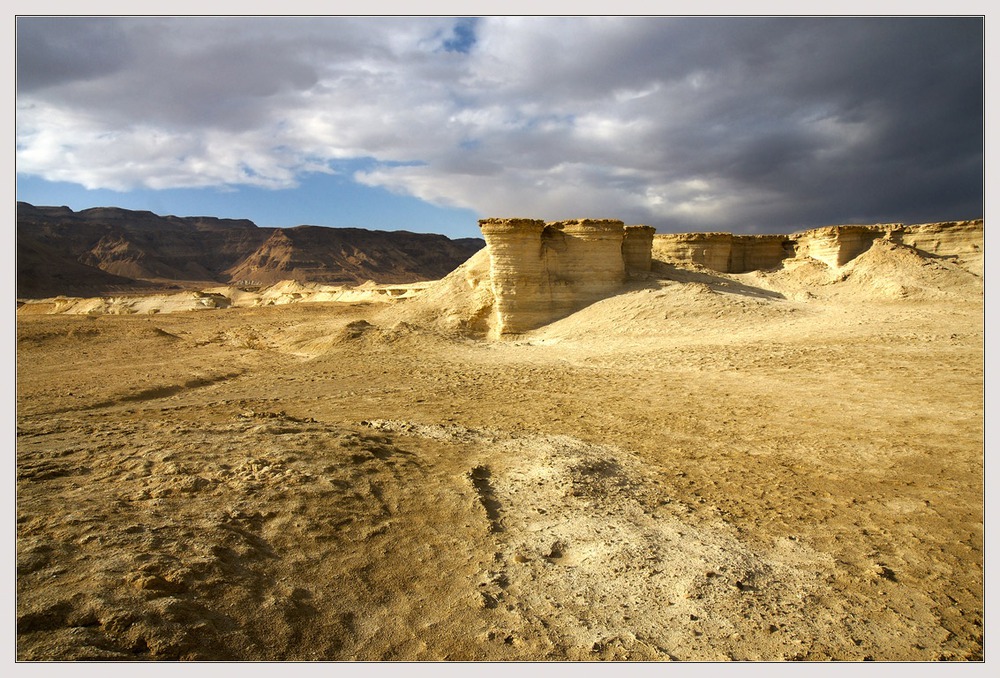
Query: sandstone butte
[(540, 271)]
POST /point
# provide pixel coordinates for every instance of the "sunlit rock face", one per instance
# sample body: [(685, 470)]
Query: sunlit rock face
[(835, 246), (543, 271), (518, 273), (583, 260), (959, 240), (540, 272)]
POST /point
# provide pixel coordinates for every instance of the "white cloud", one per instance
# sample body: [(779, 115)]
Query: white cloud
[(696, 122)]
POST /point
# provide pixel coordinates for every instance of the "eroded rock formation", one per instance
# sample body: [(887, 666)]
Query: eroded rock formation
[(836, 245), (542, 271), (959, 240), (833, 245), (637, 247), (710, 250), (539, 272), (723, 252), (757, 252)]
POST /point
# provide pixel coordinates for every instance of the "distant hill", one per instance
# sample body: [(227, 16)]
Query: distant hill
[(108, 250)]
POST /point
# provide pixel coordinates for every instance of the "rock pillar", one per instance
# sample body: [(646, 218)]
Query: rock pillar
[(541, 272), (637, 248), (517, 273)]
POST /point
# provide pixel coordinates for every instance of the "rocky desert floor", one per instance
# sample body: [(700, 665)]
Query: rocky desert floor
[(769, 466)]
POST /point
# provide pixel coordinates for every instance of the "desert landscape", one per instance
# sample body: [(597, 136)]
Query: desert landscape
[(585, 442)]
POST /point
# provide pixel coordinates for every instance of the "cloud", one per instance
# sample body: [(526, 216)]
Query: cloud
[(682, 123)]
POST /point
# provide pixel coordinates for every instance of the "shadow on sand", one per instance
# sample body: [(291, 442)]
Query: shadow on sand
[(665, 271), (660, 272)]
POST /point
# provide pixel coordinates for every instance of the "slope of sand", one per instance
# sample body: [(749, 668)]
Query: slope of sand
[(774, 465), (226, 296)]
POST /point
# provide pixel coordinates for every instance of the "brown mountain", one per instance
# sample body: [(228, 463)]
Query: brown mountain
[(109, 250), (44, 271), (352, 255)]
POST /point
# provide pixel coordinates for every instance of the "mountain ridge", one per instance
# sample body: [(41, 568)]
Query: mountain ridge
[(113, 250)]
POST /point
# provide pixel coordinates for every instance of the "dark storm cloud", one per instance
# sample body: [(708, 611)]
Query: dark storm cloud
[(913, 88), (683, 123), (58, 50)]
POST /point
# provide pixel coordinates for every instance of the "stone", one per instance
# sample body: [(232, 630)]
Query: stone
[(543, 271), (835, 246), (710, 250), (637, 248)]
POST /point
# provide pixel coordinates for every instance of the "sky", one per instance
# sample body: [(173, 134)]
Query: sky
[(739, 124)]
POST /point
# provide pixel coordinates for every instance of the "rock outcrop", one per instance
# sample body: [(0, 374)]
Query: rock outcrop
[(542, 271), (637, 248), (723, 252), (710, 250), (961, 241), (518, 275), (758, 252), (835, 246)]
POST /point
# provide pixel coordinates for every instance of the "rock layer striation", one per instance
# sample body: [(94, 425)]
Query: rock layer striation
[(542, 271), (835, 246)]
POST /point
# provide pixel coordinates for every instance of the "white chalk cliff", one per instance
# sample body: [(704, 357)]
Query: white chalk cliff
[(835, 246), (542, 271)]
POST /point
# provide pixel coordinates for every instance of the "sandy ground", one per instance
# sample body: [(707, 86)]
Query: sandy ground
[(780, 466)]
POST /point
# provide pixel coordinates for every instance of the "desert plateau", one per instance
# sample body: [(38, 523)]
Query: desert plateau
[(582, 441)]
